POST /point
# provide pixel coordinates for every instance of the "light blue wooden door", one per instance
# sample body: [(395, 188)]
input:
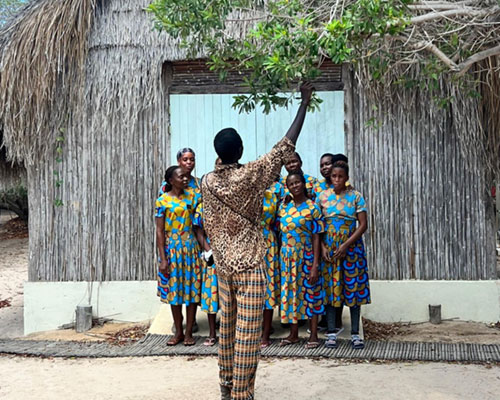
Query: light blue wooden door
[(196, 119)]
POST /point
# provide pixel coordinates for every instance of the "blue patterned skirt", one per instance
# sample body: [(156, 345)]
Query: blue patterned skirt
[(182, 284)]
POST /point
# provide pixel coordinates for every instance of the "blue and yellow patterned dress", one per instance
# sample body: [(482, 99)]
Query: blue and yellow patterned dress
[(192, 187), (278, 189), (269, 211), (346, 280), (209, 287), (182, 285), (299, 299), (321, 186), (311, 182)]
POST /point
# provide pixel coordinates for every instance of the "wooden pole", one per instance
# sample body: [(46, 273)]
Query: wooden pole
[(83, 318), (435, 313)]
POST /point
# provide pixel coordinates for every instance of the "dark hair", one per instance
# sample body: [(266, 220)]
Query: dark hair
[(340, 157), (328, 155), (168, 175), (343, 165), (302, 178), (183, 151), (227, 144), (298, 156)]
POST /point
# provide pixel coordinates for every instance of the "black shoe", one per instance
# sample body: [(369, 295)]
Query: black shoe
[(225, 392)]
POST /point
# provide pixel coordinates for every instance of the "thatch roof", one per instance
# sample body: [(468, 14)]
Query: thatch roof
[(42, 53), (60, 57)]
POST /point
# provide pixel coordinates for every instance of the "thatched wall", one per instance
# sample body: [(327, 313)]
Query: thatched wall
[(431, 214), (114, 154)]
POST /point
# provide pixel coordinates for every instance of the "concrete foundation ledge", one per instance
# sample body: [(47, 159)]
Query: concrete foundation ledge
[(48, 305), (408, 301)]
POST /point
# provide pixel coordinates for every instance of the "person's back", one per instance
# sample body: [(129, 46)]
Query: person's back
[(232, 200), (234, 194)]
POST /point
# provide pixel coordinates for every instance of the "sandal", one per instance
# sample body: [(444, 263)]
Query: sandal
[(210, 341), (311, 345), (357, 343), (175, 340), (331, 341), (189, 342), (265, 344), (287, 342)]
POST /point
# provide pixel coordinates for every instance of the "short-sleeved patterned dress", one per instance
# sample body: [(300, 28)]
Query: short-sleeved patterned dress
[(272, 270), (192, 187), (278, 189), (346, 280), (299, 299), (311, 182), (321, 186), (209, 287), (182, 285)]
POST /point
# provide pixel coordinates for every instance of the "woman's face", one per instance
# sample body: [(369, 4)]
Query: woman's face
[(325, 166), (293, 164), (338, 178), (179, 179), (187, 162), (295, 185)]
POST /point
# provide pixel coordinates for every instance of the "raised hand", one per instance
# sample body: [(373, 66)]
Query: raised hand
[(306, 90)]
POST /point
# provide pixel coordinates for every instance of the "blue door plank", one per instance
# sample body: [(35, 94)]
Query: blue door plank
[(195, 119)]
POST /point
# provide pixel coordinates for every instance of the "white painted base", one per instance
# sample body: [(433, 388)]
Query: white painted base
[(408, 301), (48, 305)]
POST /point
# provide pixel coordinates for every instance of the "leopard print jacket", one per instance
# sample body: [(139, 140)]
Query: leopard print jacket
[(232, 201)]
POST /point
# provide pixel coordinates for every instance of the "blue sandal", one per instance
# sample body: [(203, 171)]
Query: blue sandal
[(357, 343), (331, 340)]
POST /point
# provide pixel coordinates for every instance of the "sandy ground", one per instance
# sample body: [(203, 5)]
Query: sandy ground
[(184, 378), (449, 332), (13, 273)]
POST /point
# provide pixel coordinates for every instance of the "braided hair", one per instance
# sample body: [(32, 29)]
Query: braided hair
[(168, 175), (183, 151)]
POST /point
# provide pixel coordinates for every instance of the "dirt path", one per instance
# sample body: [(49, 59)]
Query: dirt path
[(13, 273), (184, 378)]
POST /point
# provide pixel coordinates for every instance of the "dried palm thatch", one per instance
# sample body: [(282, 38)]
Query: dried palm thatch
[(41, 77)]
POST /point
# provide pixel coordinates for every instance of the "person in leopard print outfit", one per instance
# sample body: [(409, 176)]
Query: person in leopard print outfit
[(232, 200)]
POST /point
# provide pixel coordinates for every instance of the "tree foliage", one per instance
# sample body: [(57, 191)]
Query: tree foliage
[(284, 41)]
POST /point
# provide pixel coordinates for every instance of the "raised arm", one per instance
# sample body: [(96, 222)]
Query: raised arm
[(306, 90)]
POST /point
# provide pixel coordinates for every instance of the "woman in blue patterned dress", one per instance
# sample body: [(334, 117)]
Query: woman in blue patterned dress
[(209, 287), (269, 211), (325, 167), (302, 294), (345, 271), (179, 275), (295, 164)]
